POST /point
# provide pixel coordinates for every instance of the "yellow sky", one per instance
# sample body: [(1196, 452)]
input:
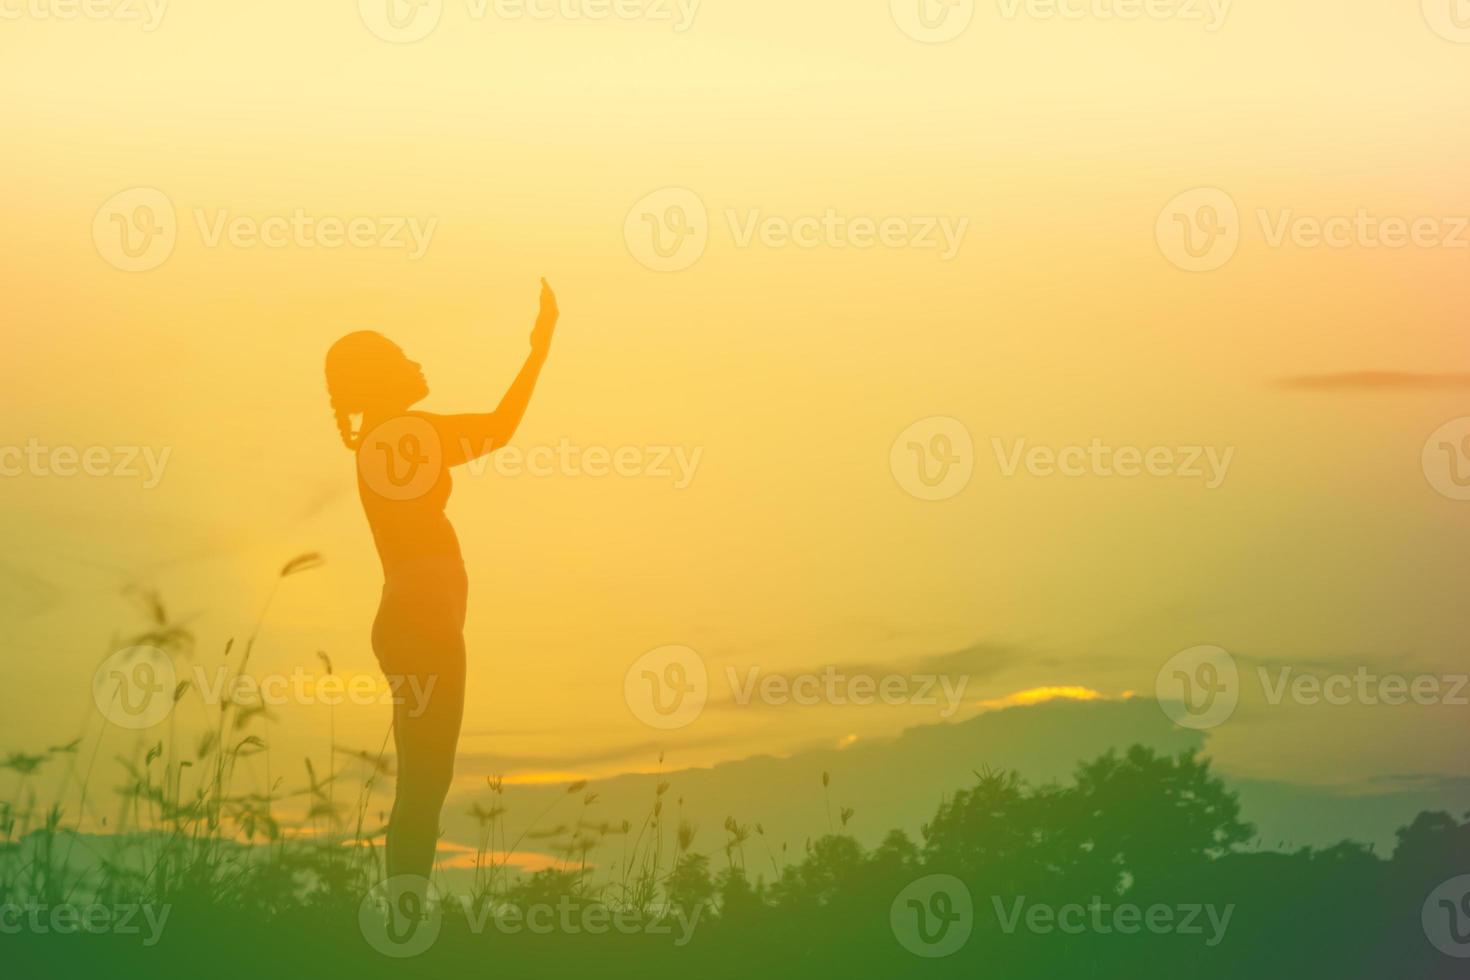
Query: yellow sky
[(524, 143)]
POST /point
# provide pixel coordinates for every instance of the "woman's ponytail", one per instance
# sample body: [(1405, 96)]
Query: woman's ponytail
[(351, 438)]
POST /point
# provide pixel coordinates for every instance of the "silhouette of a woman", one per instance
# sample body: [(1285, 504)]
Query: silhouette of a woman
[(404, 458)]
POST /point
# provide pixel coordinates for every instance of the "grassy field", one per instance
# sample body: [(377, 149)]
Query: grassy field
[(1141, 865)]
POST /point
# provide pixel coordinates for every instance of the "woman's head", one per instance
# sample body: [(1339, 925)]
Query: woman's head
[(368, 374)]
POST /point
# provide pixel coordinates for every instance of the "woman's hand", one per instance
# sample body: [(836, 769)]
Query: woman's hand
[(545, 321), (484, 433)]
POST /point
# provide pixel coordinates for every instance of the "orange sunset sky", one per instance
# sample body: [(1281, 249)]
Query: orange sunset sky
[(522, 147)]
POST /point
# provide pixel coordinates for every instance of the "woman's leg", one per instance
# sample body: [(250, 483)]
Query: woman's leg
[(426, 722)]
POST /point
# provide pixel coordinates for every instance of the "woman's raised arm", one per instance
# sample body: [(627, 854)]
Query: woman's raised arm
[(467, 437)]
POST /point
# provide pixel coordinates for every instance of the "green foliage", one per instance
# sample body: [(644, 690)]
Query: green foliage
[(1133, 826)]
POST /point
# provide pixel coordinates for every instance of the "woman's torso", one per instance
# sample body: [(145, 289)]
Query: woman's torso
[(424, 582)]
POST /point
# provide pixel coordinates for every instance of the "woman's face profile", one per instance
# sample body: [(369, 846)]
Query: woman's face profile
[(377, 373), (416, 386)]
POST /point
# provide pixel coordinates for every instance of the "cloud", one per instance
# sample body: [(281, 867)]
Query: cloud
[(1040, 695), (593, 757), (1350, 664), (1377, 381), (1418, 782)]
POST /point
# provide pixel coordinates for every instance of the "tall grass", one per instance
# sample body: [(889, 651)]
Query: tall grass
[(192, 824)]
